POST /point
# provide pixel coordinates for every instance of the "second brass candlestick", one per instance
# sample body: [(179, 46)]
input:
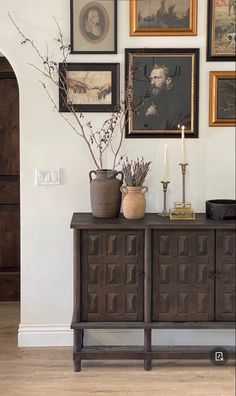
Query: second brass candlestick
[(165, 186), (183, 169), (182, 210)]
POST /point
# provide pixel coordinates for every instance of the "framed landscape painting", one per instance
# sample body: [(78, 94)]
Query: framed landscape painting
[(93, 26), (163, 92), (221, 30), (163, 17), (222, 110), (89, 87)]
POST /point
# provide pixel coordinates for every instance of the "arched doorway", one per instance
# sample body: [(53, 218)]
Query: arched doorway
[(9, 184)]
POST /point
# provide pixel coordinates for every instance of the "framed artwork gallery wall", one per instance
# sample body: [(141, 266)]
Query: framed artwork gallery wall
[(46, 141), (155, 111)]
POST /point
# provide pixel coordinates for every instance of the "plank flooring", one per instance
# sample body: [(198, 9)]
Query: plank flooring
[(49, 371)]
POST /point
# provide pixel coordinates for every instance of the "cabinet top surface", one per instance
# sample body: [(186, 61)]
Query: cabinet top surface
[(150, 220)]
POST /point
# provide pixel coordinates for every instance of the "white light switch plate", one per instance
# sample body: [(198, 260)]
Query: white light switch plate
[(47, 176)]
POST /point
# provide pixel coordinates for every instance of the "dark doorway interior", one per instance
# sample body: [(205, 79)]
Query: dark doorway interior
[(9, 184)]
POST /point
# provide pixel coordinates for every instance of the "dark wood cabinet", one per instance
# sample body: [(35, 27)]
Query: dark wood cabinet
[(148, 274)]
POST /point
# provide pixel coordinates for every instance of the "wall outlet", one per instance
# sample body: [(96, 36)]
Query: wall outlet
[(47, 176)]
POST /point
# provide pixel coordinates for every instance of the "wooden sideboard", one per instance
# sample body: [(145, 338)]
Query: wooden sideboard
[(149, 274)]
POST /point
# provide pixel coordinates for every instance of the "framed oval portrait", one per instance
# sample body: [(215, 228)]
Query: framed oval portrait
[(93, 26), (94, 22)]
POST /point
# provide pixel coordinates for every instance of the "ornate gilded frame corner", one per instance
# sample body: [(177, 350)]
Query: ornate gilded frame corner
[(214, 119), (171, 31)]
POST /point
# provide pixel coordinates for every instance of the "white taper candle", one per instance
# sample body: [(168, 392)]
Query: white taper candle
[(165, 164), (183, 159)]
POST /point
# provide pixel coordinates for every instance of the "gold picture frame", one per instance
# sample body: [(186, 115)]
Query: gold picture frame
[(163, 18), (222, 98)]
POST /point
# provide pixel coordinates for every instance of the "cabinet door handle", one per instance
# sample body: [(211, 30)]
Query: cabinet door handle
[(211, 275), (214, 274)]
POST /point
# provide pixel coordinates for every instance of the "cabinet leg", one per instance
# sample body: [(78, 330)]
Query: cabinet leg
[(78, 343), (77, 365), (147, 364), (147, 349)]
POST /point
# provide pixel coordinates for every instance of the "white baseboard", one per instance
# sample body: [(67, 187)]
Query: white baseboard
[(44, 335), (61, 335)]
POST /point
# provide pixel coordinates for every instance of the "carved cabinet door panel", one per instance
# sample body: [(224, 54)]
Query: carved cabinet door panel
[(183, 275), (112, 275), (225, 275)]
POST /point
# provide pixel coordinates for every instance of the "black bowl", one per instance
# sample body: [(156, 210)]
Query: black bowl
[(220, 209)]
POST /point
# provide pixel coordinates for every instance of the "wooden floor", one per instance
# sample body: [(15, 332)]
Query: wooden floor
[(46, 371)]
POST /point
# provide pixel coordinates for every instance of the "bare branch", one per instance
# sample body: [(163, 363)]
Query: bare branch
[(98, 140)]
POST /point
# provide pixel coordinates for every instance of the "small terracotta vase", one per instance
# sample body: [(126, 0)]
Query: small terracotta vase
[(134, 202)]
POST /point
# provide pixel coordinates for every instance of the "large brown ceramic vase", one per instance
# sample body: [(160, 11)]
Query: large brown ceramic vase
[(105, 193), (134, 202)]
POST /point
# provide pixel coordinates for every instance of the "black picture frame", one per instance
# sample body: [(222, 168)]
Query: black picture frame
[(158, 113), (221, 27), (100, 39), (81, 82)]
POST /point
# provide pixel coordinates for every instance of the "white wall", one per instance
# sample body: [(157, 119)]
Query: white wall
[(47, 141)]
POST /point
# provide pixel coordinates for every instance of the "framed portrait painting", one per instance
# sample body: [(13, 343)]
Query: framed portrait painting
[(221, 30), (163, 18), (222, 111), (89, 87), (163, 92), (93, 26)]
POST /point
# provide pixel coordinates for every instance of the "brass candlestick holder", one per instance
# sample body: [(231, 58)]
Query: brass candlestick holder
[(183, 169), (165, 187), (183, 210)]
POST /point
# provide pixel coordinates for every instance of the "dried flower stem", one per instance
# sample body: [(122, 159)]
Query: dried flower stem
[(135, 172)]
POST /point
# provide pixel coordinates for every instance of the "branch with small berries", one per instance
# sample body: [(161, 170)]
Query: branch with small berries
[(98, 140)]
